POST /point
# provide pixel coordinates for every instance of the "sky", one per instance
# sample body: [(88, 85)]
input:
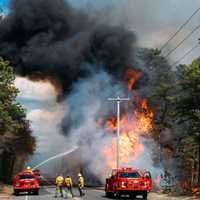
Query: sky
[(4, 5), (153, 21)]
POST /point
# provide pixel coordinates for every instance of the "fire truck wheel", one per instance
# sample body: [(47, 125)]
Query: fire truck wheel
[(36, 191), (108, 194), (133, 196), (16, 192), (116, 195), (144, 195)]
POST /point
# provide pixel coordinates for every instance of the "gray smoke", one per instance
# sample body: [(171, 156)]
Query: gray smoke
[(86, 104), (86, 56), (153, 21)]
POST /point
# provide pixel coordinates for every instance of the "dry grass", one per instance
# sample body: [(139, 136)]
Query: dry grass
[(6, 190)]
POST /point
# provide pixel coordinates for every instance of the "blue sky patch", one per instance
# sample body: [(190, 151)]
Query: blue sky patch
[(4, 5)]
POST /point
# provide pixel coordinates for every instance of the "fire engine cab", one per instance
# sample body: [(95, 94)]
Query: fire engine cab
[(26, 182), (128, 181)]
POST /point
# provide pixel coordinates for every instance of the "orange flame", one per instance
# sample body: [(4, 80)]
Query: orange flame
[(132, 76), (112, 124), (134, 123)]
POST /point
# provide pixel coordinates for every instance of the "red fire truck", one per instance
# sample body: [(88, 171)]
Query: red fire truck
[(26, 182), (128, 181)]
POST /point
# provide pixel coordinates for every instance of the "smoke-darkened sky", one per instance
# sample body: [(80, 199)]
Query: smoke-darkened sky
[(154, 21)]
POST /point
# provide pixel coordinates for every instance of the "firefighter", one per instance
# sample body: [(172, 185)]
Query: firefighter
[(59, 185), (80, 184), (69, 185)]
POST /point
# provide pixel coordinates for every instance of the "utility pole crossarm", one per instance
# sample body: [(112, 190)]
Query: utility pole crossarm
[(118, 99)]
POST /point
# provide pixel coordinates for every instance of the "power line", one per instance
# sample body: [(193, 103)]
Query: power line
[(181, 27), (180, 43), (187, 53)]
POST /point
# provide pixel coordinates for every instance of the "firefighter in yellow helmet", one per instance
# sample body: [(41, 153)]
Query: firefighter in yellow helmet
[(80, 184), (69, 185), (59, 185)]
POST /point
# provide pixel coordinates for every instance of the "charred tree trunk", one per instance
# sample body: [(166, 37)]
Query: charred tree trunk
[(194, 177), (199, 161), (7, 166)]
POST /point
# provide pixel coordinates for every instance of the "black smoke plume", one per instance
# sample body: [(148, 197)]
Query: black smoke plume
[(48, 39)]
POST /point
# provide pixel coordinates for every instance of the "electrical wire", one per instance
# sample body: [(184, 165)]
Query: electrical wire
[(180, 43), (181, 27), (187, 53)]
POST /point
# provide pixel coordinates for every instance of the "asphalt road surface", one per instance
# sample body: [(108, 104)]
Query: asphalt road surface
[(91, 194)]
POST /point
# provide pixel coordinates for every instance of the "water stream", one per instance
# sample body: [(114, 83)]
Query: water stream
[(55, 157)]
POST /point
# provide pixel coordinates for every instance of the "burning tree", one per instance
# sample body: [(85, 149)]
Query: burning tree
[(136, 121), (84, 57)]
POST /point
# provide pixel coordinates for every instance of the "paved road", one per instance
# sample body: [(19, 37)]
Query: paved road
[(91, 194)]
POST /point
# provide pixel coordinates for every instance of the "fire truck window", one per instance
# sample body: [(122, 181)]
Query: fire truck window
[(26, 177), (129, 175)]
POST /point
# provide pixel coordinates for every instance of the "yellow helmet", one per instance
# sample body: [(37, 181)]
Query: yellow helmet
[(79, 174)]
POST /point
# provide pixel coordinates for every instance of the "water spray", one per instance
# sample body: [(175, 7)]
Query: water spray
[(56, 156)]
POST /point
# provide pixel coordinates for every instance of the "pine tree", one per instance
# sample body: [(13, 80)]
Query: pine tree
[(16, 141)]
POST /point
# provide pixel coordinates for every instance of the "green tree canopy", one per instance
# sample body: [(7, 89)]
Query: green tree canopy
[(187, 104), (16, 139), (178, 112), (188, 98)]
